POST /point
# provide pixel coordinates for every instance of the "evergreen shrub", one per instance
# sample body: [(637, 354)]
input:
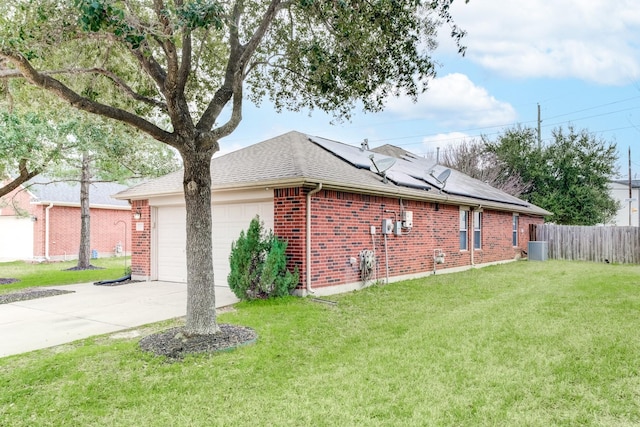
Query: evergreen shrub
[(259, 265)]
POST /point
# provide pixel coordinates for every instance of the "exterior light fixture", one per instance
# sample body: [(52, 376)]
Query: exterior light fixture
[(137, 214)]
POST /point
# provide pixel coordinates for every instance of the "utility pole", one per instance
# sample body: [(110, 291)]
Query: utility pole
[(539, 132), (630, 192)]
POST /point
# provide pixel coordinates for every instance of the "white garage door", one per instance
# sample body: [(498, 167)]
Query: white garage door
[(16, 238), (228, 221), (171, 234)]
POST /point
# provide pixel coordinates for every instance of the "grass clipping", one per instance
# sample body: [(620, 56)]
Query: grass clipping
[(175, 344)]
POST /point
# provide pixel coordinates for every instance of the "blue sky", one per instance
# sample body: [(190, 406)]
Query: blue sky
[(579, 60)]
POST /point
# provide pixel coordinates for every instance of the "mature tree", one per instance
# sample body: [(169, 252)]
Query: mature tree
[(472, 158), (569, 175), (576, 185), (105, 152), (188, 62)]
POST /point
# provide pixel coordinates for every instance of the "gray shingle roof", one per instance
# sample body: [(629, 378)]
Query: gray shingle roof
[(46, 190), (293, 159)]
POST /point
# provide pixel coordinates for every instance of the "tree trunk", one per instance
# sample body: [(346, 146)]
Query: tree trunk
[(201, 309), (84, 255)]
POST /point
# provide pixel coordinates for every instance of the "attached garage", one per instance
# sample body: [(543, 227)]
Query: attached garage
[(232, 213)]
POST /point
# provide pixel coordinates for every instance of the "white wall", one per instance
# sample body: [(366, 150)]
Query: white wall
[(620, 192), (16, 238)]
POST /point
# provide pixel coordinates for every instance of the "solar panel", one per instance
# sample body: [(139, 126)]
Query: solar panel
[(417, 172)]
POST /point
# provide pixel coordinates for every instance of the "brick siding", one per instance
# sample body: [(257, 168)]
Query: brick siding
[(64, 231), (341, 225), (64, 227), (141, 249), (340, 230)]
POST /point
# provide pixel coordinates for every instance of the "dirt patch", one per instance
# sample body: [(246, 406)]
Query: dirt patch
[(174, 344), (8, 281)]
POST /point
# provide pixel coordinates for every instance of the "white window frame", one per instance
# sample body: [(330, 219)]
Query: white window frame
[(477, 229), (514, 239), (464, 229)]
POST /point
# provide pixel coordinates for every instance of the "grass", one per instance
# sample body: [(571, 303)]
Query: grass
[(54, 273), (523, 344)]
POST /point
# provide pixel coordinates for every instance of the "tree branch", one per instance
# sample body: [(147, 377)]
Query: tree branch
[(235, 73), (150, 65), (58, 88), (25, 175), (236, 114), (126, 89), (253, 43), (165, 42), (225, 92), (185, 65)]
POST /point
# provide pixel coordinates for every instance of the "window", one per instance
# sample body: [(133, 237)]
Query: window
[(477, 230), (515, 230), (464, 221)]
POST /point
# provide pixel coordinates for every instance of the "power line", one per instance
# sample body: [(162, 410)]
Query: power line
[(423, 136)]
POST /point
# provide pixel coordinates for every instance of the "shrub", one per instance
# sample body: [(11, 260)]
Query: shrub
[(259, 265)]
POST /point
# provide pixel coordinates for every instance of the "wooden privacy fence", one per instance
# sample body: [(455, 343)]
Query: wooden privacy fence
[(599, 244)]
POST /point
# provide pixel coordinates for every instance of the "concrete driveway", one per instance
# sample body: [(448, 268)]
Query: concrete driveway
[(92, 310)]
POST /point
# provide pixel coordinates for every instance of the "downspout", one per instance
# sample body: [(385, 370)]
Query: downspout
[(46, 231), (472, 226), (308, 260)]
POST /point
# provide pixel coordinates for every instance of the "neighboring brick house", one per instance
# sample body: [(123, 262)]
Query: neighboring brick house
[(330, 203), (41, 221)]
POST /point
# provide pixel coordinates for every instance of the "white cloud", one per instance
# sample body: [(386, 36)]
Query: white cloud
[(441, 141), (592, 40), (455, 101)]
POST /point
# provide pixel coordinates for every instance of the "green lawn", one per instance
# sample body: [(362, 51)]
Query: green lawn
[(523, 344), (54, 273)]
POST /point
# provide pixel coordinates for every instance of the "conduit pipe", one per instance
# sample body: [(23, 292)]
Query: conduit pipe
[(46, 231), (308, 261)]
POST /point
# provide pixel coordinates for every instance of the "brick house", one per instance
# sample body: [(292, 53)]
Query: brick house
[(41, 221), (350, 215)]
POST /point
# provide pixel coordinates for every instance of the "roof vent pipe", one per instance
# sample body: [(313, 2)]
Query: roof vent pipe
[(364, 145), (308, 260)]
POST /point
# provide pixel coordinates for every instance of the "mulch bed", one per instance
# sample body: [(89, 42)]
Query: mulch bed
[(174, 344), (91, 267), (30, 293)]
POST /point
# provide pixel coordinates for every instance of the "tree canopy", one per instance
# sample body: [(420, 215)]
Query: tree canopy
[(178, 71), (29, 143), (568, 175)]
